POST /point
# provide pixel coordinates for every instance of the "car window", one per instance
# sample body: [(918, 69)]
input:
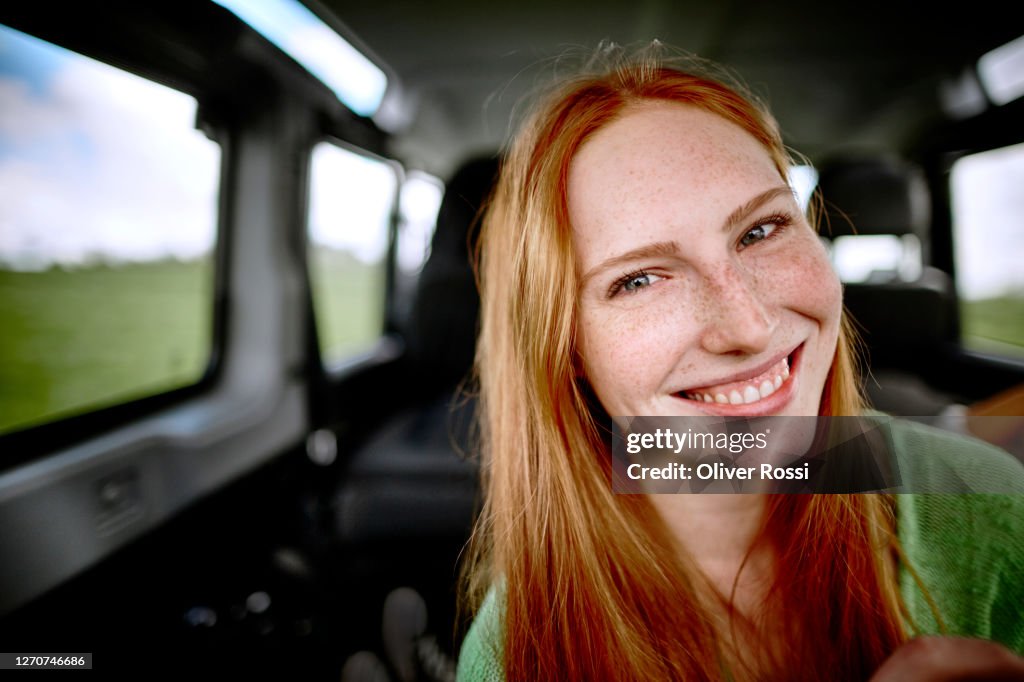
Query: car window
[(988, 238), (352, 199), (108, 214), (418, 206)]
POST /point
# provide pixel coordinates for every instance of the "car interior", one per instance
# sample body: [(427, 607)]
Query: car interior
[(247, 444)]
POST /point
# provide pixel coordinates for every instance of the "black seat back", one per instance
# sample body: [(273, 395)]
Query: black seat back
[(445, 313), (906, 324)]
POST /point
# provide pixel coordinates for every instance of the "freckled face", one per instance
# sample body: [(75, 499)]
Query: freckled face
[(704, 289)]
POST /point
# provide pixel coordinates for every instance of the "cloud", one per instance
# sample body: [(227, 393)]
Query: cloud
[(100, 163), (987, 203), (350, 202)]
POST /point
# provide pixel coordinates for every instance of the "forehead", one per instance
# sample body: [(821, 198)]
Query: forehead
[(664, 165), (651, 135)]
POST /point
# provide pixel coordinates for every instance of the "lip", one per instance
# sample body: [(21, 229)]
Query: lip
[(750, 373), (766, 406)]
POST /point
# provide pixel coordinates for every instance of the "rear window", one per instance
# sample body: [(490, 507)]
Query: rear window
[(988, 232), (108, 213)]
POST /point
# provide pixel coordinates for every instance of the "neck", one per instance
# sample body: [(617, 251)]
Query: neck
[(717, 533)]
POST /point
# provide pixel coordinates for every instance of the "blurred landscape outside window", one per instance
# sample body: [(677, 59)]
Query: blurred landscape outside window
[(988, 233), (352, 197), (803, 179), (417, 208), (877, 258), (108, 214)]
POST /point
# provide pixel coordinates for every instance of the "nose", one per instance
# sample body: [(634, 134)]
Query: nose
[(737, 316)]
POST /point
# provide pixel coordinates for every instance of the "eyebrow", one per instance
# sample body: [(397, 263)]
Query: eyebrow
[(655, 249), (744, 211), (671, 248)]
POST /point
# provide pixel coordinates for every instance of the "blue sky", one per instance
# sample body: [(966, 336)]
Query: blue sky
[(28, 59), (96, 163)]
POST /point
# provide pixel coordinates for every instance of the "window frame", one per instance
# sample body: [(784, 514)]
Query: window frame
[(950, 247), (993, 128), (38, 440)]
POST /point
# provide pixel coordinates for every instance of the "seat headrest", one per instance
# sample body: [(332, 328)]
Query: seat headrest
[(464, 195), (878, 195), (446, 308)]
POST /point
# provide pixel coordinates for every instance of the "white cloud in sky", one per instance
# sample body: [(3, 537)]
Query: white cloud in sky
[(100, 163), (96, 163), (988, 206), (350, 202)]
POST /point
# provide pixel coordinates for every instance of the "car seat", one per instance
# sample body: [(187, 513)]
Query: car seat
[(409, 478), (906, 322)]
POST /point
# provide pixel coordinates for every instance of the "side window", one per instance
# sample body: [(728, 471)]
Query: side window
[(988, 233), (878, 257), (108, 213), (418, 207), (352, 198)]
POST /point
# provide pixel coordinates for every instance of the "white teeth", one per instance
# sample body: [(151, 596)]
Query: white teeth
[(747, 394)]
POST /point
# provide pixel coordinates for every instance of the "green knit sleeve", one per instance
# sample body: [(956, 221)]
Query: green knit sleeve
[(966, 549), (481, 656)]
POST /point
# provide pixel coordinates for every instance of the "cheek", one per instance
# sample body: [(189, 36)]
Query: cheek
[(610, 346), (803, 281), (621, 352)]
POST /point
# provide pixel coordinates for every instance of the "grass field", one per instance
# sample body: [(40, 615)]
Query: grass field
[(348, 301), (74, 340), (994, 325), (77, 340)]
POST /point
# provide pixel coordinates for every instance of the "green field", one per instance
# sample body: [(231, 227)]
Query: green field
[(348, 301), (994, 325), (76, 340)]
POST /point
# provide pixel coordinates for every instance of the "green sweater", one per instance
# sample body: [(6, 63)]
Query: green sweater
[(968, 549)]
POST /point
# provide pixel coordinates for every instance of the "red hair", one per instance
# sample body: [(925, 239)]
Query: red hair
[(594, 586)]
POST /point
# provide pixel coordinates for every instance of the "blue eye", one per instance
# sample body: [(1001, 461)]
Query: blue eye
[(633, 282), (766, 228), (757, 234), (637, 282)]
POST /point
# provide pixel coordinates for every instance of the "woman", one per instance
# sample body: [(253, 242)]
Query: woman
[(644, 255)]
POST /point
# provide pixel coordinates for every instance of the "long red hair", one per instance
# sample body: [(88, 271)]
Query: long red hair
[(593, 586)]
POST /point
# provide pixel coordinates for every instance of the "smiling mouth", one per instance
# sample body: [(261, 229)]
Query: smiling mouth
[(748, 391)]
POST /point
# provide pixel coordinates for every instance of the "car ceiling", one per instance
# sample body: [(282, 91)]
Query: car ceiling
[(839, 76)]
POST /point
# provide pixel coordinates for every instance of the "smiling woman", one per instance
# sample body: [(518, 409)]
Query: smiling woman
[(644, 255), (749, 295)]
